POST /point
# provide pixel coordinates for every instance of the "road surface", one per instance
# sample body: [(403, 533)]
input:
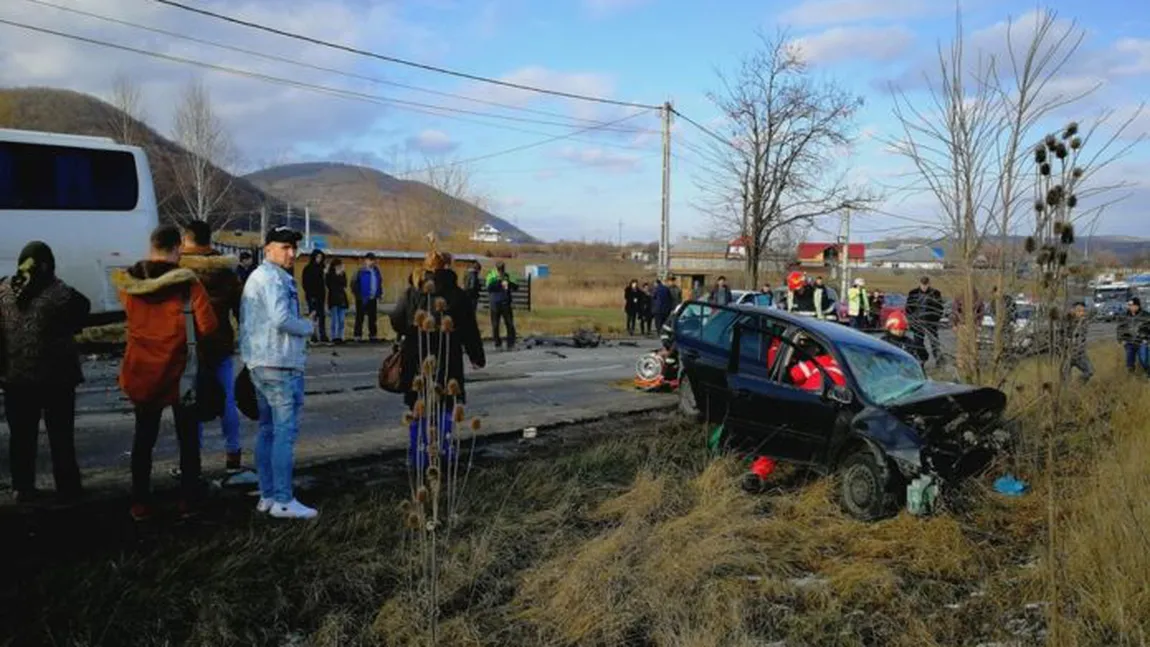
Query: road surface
[(346, 415)]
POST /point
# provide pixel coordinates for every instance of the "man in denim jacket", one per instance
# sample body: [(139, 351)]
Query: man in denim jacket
[(273, 343)]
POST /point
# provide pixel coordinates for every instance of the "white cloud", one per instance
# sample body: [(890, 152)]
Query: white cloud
[(600, 158), (1137, 49), (856, 43), (837, 12), (431, 142), (264, 118)]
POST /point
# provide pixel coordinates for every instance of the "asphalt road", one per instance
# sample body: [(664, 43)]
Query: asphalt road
[(345, 415)]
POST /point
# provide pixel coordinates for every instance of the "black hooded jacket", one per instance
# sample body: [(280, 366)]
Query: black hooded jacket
[(314, 281), (464, 338)]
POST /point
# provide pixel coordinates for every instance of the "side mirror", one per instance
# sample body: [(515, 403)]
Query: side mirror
[(840, 394)]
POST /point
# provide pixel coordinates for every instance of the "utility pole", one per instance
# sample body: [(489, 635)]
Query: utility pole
[(307, 226), (665, 229), (620, 233), (287, 222), (263, 223), (845, 256)]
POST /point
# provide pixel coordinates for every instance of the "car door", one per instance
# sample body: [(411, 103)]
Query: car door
[(783, 421), (703, 335)]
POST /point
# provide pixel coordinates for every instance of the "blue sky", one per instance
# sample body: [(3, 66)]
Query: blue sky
[(646, 51)]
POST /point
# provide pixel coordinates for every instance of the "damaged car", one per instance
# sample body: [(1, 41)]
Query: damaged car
[(836, 400)]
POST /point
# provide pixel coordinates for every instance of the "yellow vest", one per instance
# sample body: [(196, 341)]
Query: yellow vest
[(857, 302)]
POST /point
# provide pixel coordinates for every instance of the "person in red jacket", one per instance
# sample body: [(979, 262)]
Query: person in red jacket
[(154, 292), (806, 374)]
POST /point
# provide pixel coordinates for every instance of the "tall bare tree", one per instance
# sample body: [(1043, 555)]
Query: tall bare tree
[(202, 183), (125, 122), (969, 142), (785, 130)]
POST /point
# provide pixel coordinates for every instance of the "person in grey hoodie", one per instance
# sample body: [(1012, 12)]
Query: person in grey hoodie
[(273, 343)]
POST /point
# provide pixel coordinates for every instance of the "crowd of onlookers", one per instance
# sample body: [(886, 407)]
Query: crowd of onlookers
[(188, 307)]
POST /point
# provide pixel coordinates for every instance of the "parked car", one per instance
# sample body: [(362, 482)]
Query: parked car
[(888, 427), (891, 303)]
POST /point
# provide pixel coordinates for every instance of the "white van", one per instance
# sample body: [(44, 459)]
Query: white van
[(89, 198)]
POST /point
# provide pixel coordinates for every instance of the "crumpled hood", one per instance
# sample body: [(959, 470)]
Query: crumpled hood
[(951, 409)]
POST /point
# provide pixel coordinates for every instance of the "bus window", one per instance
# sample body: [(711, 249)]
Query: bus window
[(37, 177)]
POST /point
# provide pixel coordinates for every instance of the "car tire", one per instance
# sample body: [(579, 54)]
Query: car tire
[(688, 407), (866, 490)]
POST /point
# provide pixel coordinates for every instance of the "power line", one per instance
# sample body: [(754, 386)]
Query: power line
[(516, 149), (320, 68), (350, 94), (684, 117), (400, 61)]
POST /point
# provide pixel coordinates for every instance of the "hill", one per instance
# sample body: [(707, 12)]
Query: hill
[(1123, 249), (364, 202), (65, 111)]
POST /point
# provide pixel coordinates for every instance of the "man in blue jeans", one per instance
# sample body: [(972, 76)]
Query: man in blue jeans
[(273, 343), (1133, 332), (217, 274)]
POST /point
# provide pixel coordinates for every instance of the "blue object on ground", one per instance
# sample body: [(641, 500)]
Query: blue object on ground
[(1009, 485)]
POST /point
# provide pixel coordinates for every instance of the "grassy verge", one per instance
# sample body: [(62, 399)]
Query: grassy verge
[(637, 537)]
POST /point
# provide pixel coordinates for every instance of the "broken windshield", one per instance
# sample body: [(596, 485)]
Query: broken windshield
[(883, 376)]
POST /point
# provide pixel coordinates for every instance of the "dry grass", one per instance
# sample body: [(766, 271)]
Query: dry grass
[(640, 538)]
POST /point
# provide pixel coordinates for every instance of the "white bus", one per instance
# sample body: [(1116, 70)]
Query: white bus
[(89, 198)]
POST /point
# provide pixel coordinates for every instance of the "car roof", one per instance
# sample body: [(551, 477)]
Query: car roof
[(831, 331)]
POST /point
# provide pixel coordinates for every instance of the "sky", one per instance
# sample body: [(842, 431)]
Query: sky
[(548, 164)]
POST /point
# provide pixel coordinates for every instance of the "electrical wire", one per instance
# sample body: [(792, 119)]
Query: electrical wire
[(338, 92), (400, 61), (687, 119), (319, 68)]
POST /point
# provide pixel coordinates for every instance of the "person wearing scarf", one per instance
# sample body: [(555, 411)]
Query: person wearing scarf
[(40, 369)]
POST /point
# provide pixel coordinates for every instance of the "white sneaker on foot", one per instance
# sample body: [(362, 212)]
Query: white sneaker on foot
[(293, 510), (264, 505)]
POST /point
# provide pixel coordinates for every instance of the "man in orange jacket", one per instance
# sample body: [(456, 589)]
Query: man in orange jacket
[(154, 292)]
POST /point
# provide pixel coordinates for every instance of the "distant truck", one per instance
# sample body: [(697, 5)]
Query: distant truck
[(89, 198)]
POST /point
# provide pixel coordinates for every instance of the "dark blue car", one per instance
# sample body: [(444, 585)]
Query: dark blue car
[(886, 427)]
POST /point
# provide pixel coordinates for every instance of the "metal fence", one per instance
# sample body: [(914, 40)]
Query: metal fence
[(520, 299)]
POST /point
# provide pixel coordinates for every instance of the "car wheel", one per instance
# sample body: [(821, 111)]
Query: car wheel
[(866, 488), (688, 407)]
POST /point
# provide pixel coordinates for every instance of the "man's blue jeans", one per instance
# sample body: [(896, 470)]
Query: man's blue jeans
[(1139, 353), (230, 420), (279, 394)]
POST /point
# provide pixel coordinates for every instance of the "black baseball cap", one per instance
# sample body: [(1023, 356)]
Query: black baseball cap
[(283, 235), (1134, 301)]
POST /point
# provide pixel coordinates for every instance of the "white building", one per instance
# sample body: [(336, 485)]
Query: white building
[(486, 234), (907, 257)]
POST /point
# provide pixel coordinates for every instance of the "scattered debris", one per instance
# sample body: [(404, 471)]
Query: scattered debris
[(530, 432), (581, 339), (921, 495), (1009, 485)]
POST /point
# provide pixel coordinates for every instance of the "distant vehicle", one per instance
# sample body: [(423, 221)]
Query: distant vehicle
[(891, 303), (1106, 294), (89, 198), (884, 427)]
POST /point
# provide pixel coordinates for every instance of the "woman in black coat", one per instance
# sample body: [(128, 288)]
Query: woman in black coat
[(337, 301), (438, 300)]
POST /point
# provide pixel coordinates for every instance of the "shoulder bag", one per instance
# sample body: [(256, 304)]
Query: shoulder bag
[(200, 392), (391, 370)]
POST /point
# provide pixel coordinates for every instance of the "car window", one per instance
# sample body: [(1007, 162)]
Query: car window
[(758, 333), (883, 376), (718, 327), (689, 323), (763, 299)]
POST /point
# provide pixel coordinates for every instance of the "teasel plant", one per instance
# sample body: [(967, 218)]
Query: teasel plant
[(436, 426), (1058, 178)]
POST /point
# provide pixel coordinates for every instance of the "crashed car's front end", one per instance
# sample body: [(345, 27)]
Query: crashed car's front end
[(939, 434)]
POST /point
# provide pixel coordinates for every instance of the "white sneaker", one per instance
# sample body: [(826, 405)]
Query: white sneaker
[(264, 505), (293, 510)]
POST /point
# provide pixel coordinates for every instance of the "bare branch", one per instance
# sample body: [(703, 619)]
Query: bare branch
[(202, 183)]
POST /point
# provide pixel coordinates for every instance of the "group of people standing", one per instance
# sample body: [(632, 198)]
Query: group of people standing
[(180, 302), (648, 306), (325, 287)]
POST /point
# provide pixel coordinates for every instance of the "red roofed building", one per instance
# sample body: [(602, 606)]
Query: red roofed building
[(826, 254)]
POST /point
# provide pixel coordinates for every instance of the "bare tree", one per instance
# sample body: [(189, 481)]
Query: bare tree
[(127, 118), (969, 142), (785, 130), (207, 148)]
